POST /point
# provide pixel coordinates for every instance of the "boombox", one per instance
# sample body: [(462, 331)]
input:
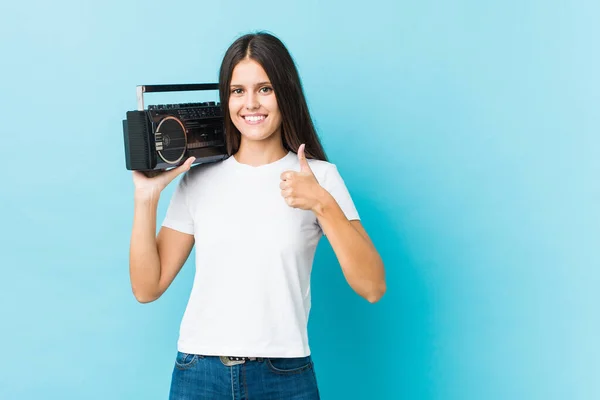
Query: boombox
[(164, 136)]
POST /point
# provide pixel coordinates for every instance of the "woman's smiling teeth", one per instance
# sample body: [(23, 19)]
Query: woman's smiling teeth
[(254, 118)]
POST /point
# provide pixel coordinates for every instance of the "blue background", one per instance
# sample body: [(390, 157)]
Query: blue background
[(466, 131)]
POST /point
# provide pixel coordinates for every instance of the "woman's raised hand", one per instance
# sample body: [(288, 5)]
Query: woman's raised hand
[(153, 182)]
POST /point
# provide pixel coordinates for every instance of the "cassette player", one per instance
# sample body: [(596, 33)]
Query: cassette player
[(165, 135)]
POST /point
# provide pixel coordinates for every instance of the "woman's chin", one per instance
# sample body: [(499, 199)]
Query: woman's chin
[(256, 136)]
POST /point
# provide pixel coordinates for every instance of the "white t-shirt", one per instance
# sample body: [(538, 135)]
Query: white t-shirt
[(254, 255)]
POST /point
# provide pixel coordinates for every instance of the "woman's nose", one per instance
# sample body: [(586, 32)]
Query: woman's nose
[(252, 102)]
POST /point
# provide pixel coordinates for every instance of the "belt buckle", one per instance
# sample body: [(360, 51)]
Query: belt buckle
[(229, 362)]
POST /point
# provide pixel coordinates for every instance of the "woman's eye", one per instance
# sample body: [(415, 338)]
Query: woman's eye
[(236, 91), (266, 89)]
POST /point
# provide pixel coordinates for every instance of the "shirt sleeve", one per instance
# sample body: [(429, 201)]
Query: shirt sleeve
[(178, 214), (335, 185)]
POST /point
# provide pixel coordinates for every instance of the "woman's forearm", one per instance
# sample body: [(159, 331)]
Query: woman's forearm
[(360, 262)]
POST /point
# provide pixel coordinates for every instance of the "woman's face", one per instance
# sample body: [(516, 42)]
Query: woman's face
[(252, 103)]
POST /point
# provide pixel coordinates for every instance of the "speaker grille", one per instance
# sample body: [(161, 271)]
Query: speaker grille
[(171, 141), (137, 150)]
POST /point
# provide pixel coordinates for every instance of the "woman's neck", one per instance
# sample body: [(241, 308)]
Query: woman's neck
[(257, 153)]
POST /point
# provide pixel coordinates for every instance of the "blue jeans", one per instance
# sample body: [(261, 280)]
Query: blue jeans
[(207, 377)]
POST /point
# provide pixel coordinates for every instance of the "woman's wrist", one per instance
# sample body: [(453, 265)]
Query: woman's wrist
[(146, 195)]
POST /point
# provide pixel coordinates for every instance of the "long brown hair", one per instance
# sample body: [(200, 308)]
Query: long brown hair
[(273, 56)]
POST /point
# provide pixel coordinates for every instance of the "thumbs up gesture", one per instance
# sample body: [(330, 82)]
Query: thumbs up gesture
[(301, 189)]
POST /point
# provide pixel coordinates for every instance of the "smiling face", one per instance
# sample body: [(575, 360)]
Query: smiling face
[(252, 103)]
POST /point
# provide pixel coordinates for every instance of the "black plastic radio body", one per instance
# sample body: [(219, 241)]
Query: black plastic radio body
[(164, 136)]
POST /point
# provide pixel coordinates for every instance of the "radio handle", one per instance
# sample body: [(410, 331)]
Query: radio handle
[(141, 89)]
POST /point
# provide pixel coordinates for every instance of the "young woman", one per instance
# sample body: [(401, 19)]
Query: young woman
[(255, 219)]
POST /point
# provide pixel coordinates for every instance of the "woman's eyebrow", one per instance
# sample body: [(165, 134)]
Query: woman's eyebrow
[(258, 84)]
